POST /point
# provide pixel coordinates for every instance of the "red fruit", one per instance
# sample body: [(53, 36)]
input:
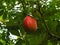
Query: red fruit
[(30, 24)]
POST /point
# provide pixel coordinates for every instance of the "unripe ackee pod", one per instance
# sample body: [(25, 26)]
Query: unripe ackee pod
[(30, 24)]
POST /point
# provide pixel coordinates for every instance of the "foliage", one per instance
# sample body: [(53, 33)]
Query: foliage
[(47, 14)]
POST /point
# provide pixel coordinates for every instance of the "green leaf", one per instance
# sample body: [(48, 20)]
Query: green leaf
[(58, 29), (5, 15), (49, 42), (36, 39), (20, 42), (54, 42), (1, 12), (1, 43), (14, 32), (13, 28)]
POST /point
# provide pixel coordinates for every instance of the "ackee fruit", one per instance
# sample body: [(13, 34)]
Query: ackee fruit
[(30, 24)]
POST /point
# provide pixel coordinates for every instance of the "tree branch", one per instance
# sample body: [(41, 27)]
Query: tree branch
[(43, 19)]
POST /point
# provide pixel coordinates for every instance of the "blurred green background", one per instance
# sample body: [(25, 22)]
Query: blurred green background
[(12, 14)]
